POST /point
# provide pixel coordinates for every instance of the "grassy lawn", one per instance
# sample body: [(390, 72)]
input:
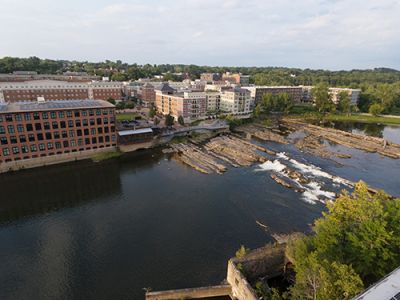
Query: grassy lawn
[(301, 109), (363, 118), (350, 118), (105, 155), (126, 116)]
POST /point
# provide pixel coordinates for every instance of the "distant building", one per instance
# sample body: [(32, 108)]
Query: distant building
[(39, 133), (236, 78), (31, 75), (354, 94), (257, 92), (59, 90), (147, 94), (235, 101), (189, 104), (210, 77)]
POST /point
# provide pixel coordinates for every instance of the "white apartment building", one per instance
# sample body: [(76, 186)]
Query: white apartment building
[(213, 99), (354, 94), (235, 101)]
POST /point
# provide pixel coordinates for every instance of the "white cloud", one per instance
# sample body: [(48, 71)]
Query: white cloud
[(305, 33)]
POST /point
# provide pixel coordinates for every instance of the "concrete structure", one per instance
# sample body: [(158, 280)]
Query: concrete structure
[(210, 77), (386, 289), (59, 90), (30, 75), (194, 293), (30, 132), (235, 101), (257, 92), (236, 78), (190, 105), (135, 136)]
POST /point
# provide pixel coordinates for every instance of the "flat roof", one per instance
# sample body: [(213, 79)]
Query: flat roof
[(136, 131), (386, 289), (26, 106)]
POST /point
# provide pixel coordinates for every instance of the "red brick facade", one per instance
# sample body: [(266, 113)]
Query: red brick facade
[(26, 134)]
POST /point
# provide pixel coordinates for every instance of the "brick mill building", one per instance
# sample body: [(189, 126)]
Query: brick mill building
[(59, 90), (40, 133)]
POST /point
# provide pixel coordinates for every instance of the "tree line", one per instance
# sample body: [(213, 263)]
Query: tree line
[(120, 71)]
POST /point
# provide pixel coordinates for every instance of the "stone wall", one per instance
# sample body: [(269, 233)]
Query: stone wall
[(51, 160)]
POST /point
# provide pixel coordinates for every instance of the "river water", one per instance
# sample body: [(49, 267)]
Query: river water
[(108, 230)]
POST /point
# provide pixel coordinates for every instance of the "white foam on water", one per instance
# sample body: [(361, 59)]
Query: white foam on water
[(314, 170), (275, 165), (313, 193)]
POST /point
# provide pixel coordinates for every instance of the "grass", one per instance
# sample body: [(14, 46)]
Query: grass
[(354, 118), (105, 156), (126, 116), (302, 109)]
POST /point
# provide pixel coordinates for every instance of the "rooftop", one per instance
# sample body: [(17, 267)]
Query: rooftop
[(27, 106), (136, 131)]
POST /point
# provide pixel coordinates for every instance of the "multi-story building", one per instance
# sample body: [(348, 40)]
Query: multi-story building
[(213, 99), (236, 78), (31, 75), (235, 101), (210, 77), (39, 133), (147, 94), (257, 92), (58, 90), (354, 94), (189, 104)]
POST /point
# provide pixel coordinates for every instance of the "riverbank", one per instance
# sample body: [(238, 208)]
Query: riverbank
[(361, 118)]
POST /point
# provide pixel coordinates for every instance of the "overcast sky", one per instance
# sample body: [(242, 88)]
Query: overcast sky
[(328, 34)]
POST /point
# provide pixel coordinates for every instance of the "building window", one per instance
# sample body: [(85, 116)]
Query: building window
[(18, 117), (27, 116), (48, 136), (3, 140), (42, 147), (33, 148), (22, 139), (40, 136), (58, 145), (45, 115), (49, 146), (36, 116), (69, 114), (54, 124), (2, 130), (9, 118), (6, 152), (77, 114), (61, 114), (38, 126), (65, 144), (71, 133), (10, 129), (53, 115), (56, 135), (15, 150), (24, 149)]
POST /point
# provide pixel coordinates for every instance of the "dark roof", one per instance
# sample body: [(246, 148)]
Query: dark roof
[(165, 88)]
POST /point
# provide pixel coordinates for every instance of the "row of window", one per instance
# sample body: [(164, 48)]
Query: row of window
[(20, 128), (53, 115), (55, 135), (56, 145)]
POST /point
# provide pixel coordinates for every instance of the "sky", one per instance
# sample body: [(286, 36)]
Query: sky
[(316, 34)]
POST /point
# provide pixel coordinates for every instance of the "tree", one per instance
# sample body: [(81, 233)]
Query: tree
[(169, 120), (322, 98), (355, 243), (257, 111), (130, 105), (156, 121), (242, 251), (181, 121), (344, 102), (120, 105), (111, 100), (375, 109), (152, 111)]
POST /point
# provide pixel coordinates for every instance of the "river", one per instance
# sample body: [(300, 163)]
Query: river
[(107, 230)]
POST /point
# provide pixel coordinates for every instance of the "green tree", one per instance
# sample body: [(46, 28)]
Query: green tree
[(375, 109), (152, 111), (181, 121), (130, 105), (322, 98), (242, 251), (344, 102), (120, 105), (169, 120), (111, 100), (257, 111)]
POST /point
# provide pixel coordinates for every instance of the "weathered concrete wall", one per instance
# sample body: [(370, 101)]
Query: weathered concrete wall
[(194, 293), (51, 160), (268, 262), (241, 289)]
